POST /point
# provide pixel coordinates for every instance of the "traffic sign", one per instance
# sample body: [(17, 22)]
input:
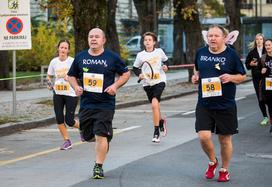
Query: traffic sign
[(15, 28), (14, 25)]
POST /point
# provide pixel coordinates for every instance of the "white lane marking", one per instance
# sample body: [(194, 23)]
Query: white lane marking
[(116, 131), (48, 151), (76, 130), (5, 151), (189, 112), (241, 118), (259, 155), (50, 130), (149, 111), (239, 98)]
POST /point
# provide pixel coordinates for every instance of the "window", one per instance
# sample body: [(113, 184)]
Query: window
[(246, 4), (133, 42)]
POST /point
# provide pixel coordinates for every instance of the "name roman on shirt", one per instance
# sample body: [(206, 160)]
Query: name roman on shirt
[(96, 62)]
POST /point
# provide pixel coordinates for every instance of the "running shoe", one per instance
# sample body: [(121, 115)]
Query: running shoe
[(224, 175), (98, 172), (265, 121), (66, 145), (210, 171), (162, 126), (156, 137)]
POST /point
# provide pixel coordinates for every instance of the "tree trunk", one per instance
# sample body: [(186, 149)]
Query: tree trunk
[(178, 55), (192, 29), (4, 70), (148, 12), (232, 8), (87, 15), (111, 32), (146, 16)]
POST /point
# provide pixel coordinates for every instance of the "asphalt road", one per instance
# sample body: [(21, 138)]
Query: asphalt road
[(33, 158)]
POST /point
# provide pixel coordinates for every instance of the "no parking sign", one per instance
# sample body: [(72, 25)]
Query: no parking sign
[(14, 25), (15, 32)]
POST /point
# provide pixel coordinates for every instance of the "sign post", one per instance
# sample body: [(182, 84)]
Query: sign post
[(15, 32)]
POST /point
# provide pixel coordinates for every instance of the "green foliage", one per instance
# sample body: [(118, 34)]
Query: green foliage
[(124, 53), (7, 119), (213, 9), (189, 12), (42, 51), (44, 47)]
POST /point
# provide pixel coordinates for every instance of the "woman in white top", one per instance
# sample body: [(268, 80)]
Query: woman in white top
[(63, 93), (150, 65)]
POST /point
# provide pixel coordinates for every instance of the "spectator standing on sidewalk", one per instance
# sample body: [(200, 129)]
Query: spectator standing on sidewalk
[(156, 61), (217, 69), (63, 93), (95, 69), (253, 63), (266, 91)]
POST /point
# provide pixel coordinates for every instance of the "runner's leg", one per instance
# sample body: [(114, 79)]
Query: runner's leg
[(207, 145), (226, 149)]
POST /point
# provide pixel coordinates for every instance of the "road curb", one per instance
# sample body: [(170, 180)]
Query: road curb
[(7, 129)]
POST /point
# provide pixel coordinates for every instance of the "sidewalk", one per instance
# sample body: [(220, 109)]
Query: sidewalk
[(28, 102), (6, 96)]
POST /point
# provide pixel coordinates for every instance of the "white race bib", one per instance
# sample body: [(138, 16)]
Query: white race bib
[(93, 82), (62, 87), (268, 83), (211, 87)]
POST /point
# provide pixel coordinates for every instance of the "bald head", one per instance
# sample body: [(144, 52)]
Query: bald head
[(96, 40), (96, 31)]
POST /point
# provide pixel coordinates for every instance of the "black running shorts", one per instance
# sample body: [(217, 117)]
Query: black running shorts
[(154, 91), (96, 122), (70, 104), (222, 122)]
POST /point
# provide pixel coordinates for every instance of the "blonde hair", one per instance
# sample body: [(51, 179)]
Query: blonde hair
[(253, 44)]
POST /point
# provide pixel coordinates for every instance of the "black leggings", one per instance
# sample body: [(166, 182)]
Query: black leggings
[(70, 104), (268, 102), (256, 84)]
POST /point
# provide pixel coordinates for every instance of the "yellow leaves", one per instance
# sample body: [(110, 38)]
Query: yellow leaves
[(188, 12), (44, 47)]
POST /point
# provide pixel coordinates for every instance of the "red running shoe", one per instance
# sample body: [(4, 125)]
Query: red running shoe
[(224, 175), (210, 171)]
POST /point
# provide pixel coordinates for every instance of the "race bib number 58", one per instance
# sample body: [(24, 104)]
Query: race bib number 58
[(211, 87), (93, 82)]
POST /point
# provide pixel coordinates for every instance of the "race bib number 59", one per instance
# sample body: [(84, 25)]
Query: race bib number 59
[(211, 87), (93, 82)]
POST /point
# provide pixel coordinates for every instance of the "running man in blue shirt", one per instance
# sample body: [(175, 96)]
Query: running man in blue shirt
[(96, 69), (217, 71)]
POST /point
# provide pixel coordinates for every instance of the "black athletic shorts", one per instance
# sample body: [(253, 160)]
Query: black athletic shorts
[(154, 91), (96, 122), (222, 122), (70, 104)]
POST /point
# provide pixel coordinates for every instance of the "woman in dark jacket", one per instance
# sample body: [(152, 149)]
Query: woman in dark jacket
[(253, 63), (267, 78)]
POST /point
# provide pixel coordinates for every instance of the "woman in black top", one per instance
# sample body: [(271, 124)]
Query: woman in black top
[(267, 78), (253, 62)]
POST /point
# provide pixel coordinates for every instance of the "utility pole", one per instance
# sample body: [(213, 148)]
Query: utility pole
[(256, 8), (261, 5)]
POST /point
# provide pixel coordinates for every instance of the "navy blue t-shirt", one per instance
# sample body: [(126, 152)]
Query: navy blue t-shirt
[(107, 64), (213, 65)]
